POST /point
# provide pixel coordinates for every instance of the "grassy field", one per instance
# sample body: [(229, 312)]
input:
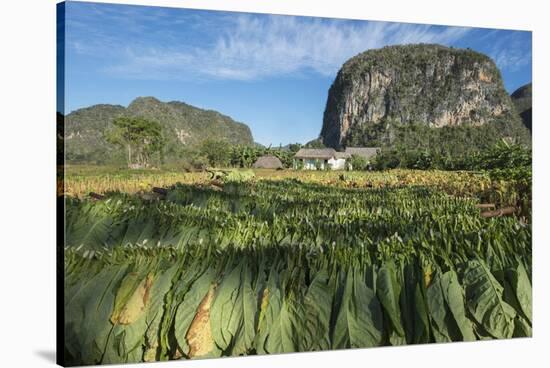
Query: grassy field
[(289, 261)]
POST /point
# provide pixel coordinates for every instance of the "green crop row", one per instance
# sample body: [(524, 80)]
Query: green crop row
[(273, 266), (135, 304)]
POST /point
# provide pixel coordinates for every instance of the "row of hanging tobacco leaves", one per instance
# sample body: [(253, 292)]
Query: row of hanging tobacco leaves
[(281, 266)]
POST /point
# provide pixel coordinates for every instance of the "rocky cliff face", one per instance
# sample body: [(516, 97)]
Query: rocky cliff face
[(427, 84)]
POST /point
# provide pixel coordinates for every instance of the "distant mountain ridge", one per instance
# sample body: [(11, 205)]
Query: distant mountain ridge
[(184, 127), (522, 98)]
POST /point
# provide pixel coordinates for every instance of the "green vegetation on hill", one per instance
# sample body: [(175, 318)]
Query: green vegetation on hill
[(413, 57), (184, 127), (84, 134), (522, 97)]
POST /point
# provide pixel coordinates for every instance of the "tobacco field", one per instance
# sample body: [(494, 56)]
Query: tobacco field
[(292, 262)]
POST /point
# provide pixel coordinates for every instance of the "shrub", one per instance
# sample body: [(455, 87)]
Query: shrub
[(359, 163)]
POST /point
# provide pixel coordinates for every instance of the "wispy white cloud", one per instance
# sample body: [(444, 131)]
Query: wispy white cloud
[(511, 60), (511, 53), (255, 47)]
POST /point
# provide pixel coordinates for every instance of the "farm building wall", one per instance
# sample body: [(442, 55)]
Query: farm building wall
[(337, 163)]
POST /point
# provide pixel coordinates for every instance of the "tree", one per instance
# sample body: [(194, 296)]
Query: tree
[(244, 155), (387, 159), (217, 152), (285, 156), (294, 147), (142, 138)]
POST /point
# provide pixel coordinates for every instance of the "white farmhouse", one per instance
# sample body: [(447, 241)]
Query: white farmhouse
[(329, 158), (314, 158), (320, 159)]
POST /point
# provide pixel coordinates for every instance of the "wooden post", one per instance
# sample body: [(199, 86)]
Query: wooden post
[(96, 196), (500, 212), (161, 191)]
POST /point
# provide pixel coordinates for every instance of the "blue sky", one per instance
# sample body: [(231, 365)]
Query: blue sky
[(270, 72)]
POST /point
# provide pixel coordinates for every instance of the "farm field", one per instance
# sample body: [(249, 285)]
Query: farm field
[(289, 261), (80, 180)]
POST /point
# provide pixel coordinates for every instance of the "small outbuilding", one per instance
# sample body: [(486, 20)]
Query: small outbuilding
[(268, 162)]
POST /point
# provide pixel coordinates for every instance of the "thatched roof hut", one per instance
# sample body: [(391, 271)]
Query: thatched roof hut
[(268, 162)]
